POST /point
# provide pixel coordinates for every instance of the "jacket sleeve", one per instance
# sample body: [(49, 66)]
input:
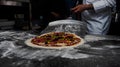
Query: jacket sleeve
[(100, 5)]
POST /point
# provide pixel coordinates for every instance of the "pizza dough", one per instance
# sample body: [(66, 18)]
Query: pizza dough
[(55, 40)]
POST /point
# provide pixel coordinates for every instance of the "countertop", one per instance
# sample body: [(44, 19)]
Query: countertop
[(97, 51)]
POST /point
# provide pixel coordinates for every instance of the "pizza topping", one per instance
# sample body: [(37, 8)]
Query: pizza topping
[(56, 39)]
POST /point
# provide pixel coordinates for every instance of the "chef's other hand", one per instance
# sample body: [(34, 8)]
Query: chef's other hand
[(55, 14), (82, 7)]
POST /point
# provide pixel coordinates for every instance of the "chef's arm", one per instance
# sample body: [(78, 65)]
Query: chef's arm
[(101, 5), (97, 6), (82, 7)]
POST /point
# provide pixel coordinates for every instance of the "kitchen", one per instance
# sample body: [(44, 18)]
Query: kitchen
[(97, 50)]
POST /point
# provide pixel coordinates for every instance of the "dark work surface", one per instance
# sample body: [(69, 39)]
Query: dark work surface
[(97, 51)]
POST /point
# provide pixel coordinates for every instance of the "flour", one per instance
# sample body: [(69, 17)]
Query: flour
[(94, 38), (73, 54), (12, 45), (10, 49), (111, 46), (6, 47), (24, 63)]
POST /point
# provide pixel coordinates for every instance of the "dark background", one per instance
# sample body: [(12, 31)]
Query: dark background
[(115, 24), (43, 8)]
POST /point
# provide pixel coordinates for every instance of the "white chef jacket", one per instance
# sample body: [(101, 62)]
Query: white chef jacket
[(98, 20)]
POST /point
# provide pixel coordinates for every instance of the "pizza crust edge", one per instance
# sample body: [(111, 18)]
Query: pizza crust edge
[(28, 43)]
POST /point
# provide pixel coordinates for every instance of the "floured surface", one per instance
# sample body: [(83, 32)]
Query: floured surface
[(96, 49), (15, 47), (12, 45)]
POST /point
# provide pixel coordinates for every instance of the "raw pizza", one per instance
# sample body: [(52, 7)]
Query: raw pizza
[(55, 40)]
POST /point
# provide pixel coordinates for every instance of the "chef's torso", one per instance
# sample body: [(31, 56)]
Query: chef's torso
[(97, 20)]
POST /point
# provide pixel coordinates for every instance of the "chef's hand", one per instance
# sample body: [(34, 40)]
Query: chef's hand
[(55, 14), (82, 7)]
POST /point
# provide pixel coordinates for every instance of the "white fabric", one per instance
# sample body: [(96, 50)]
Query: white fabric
[(98, 20)]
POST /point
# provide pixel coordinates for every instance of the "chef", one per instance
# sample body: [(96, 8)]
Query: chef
[(97, 14)]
